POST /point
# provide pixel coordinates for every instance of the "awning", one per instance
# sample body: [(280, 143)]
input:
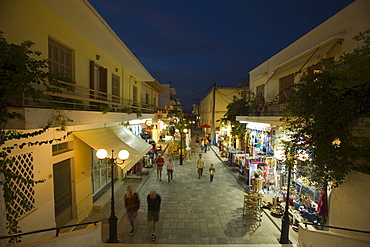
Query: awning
[(116, 138)]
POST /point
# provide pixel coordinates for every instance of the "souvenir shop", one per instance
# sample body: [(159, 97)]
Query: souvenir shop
[(255, 156), (261, 171)]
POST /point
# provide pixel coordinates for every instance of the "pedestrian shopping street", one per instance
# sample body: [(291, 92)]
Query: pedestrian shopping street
[(193, 211)]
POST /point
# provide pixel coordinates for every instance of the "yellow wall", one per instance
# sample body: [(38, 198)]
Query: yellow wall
[(224, 96), (30, 20), (83, 179), (22, 20)]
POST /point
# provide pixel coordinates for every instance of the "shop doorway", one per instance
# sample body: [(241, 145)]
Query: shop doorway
[(62, 192)]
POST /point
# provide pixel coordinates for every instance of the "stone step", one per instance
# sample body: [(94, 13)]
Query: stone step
[(99, 204), (200, 245)]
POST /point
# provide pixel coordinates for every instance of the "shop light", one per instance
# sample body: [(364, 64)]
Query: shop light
[(256, 126), (139, 121)]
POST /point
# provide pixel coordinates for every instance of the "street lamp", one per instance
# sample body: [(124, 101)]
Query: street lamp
[(181, 145), (122, 155), (285, 224), (285, 221)]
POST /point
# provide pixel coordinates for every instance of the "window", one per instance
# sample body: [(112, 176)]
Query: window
[(115, 89), (98, 81), (100, 175), (260, 92), (286, 88), (60, 59), (146, 98), (60, 148), (134, 94)]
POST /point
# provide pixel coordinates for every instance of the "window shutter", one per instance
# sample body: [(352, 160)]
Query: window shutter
[(92, 78), (103, 79), (286, 89)]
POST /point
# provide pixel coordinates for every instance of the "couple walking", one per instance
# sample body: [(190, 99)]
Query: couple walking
[(200, 168), (170, 168), (132, 204)]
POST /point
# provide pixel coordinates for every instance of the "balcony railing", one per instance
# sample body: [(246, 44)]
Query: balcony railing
[(75, 97), (273, 109)]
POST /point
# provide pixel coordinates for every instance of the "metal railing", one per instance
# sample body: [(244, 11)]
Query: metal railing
[(75, 97), (57, 229), (335, 227)]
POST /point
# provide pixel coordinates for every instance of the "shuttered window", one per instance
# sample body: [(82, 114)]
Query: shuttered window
[(115, 88), (60, 59), (286, 88), (260, 92), (98, 81)]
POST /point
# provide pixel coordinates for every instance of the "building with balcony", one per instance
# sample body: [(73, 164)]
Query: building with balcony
[(271, 80), (111, 89)]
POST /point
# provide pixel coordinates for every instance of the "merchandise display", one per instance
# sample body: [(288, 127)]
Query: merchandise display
[(252, 208)]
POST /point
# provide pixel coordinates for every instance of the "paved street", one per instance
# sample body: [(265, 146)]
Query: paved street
[(193, 211)]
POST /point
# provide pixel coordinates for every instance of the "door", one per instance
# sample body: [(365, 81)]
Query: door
[(62, 192)]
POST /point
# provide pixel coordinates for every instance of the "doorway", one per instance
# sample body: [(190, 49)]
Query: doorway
[(62, 192)]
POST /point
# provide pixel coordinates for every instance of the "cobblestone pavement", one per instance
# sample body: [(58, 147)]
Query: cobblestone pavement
[(193, 211)]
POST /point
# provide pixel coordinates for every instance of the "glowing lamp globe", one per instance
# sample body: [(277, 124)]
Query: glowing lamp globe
[(101, 154), (123, 154)]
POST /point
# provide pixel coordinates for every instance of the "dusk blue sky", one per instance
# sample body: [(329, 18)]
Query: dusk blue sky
[(195, 43)]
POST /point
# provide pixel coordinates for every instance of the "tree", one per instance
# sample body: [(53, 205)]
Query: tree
[(22, 75), (240, 106), (323, 109)]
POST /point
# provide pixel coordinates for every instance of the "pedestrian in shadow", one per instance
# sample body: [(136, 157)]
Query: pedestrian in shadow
[(200, 166), (212, 171), (170, 169), (154, 206), (132, 204)]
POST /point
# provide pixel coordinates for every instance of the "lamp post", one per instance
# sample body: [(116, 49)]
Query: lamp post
[(285, 222), (181, 157), (123, 155), (295, 157)]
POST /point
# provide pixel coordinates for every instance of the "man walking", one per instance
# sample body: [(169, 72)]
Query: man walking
[(200, 166), (132, 204), (154, 206)]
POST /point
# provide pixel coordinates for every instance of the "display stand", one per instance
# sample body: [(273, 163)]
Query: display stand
[(252, 208)]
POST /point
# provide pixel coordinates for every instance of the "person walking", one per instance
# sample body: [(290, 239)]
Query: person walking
[(212, 171), (154, 206), (132, 204), (201, 144), (170, 169), (200, 166), (206, 142), (159, 162), (153, 153)]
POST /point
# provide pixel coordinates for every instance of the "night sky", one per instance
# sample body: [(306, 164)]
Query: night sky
[(195, 43)]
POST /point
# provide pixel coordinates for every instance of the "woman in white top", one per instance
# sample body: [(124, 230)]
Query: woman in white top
[(170, 169)]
